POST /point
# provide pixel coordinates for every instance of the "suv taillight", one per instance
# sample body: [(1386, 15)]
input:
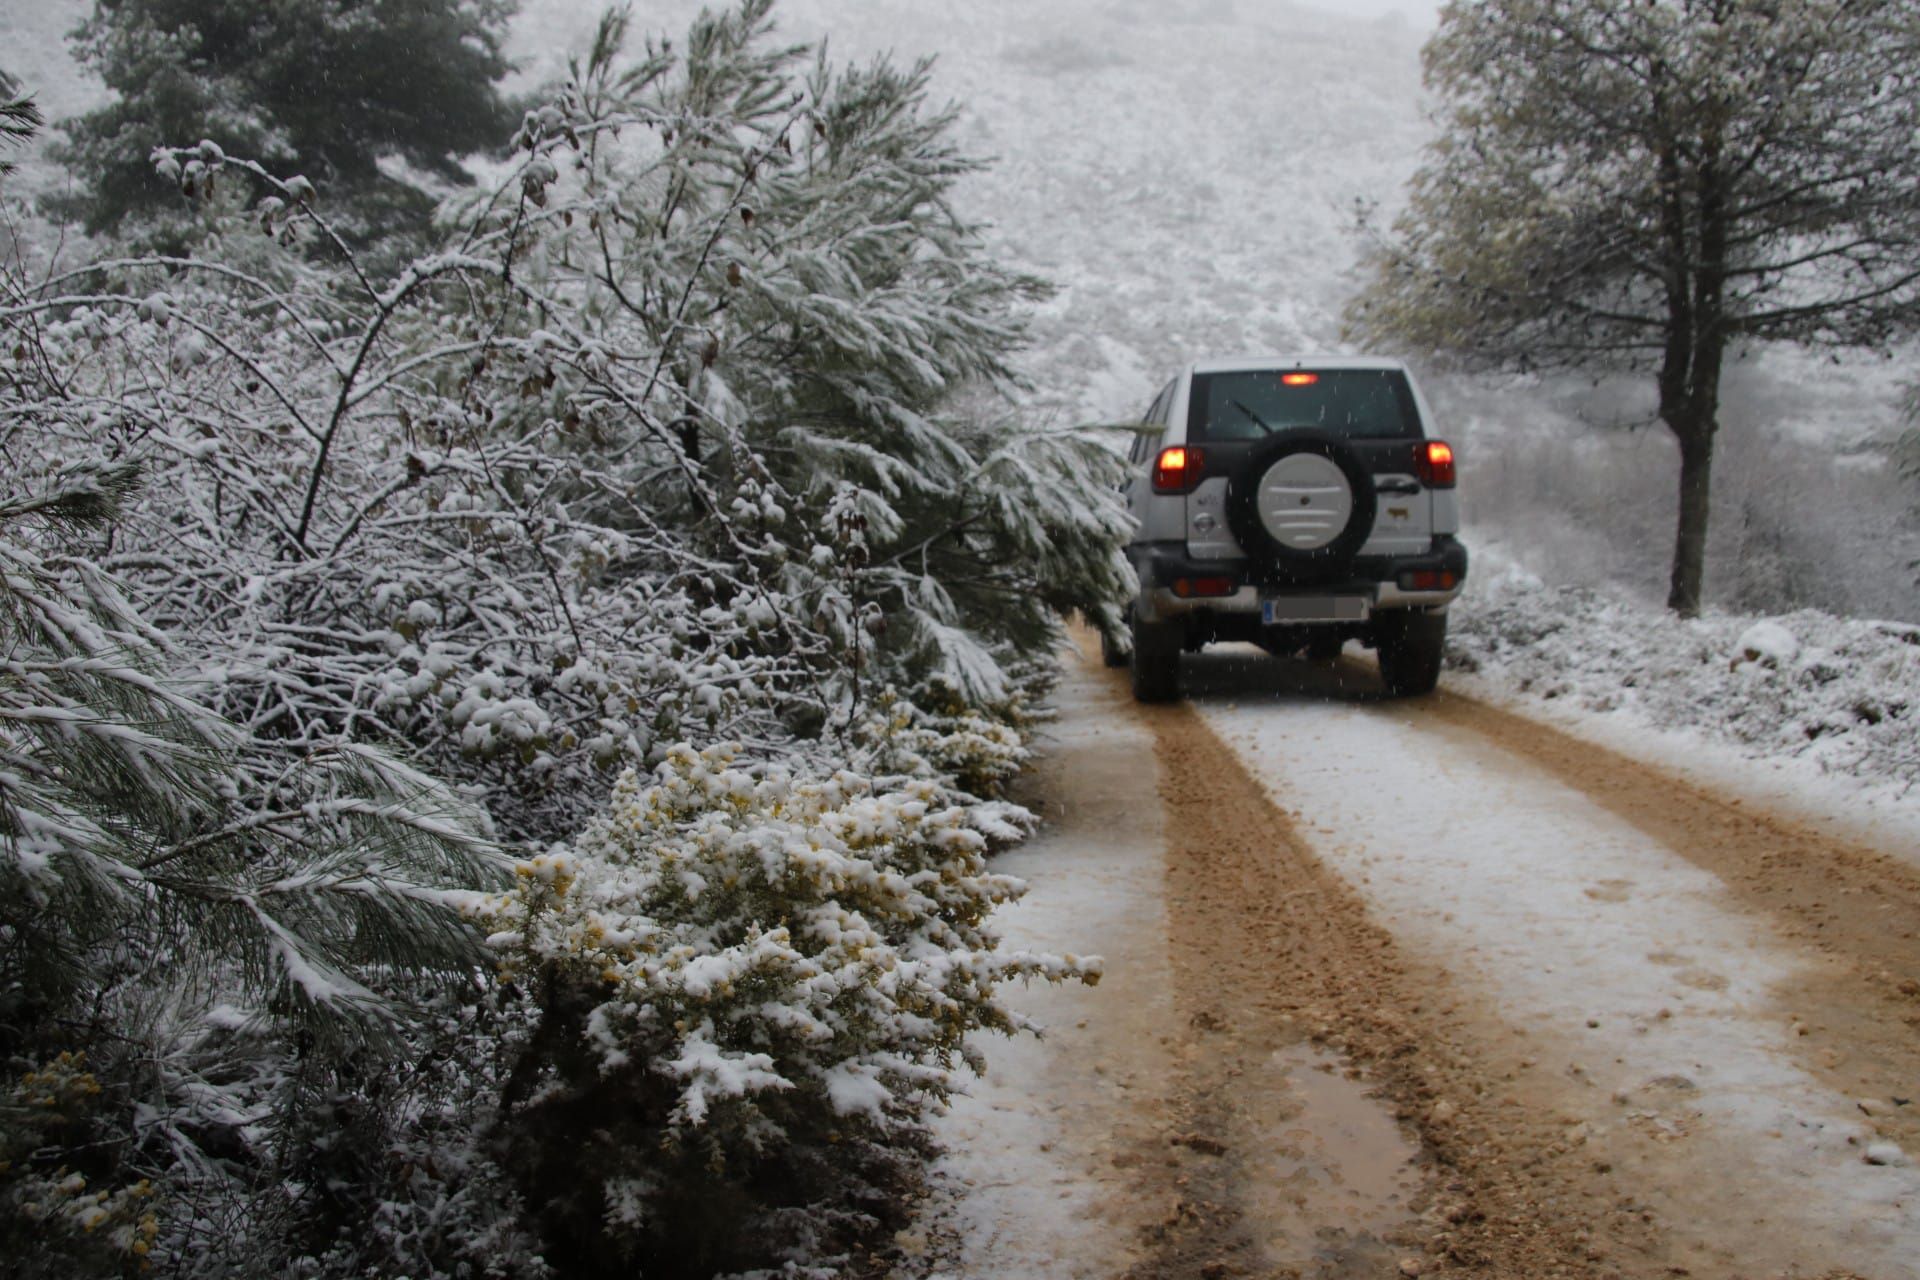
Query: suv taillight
[(1177, 469), (1435, 464)]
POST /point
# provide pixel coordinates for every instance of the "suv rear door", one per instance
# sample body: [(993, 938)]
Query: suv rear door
[(1372, 411)]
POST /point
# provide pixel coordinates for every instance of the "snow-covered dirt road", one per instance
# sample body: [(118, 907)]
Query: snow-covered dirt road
[(1431, 988)]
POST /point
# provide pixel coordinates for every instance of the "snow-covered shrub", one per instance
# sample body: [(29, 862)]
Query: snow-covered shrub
[(693, 428), (1842, 692), (53, 1216), (939, 735), (408, 1159), (755, 984)]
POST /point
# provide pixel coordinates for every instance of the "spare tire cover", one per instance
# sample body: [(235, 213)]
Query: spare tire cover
[(1301, 505), (1304, 501)]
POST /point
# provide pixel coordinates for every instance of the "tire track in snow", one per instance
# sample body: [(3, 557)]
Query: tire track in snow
[(1858, 1015), (1272, 951), (1633, 995)]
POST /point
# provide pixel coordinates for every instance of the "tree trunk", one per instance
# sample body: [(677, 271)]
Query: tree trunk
[(1690, 544), (1694, 233)]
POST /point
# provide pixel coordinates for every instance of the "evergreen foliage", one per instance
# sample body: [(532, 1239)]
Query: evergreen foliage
[(328, 88), (1649, 187), (814, 300), (160, 873), (696, 429), (20, 119)]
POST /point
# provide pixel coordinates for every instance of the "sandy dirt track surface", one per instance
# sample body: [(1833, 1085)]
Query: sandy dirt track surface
[(1429, 988)]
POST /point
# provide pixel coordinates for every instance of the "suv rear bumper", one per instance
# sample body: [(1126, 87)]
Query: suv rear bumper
[(1379, 579)]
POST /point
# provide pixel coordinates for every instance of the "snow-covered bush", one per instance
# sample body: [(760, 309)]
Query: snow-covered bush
[(937, 734), (1842, 692), (692, 428), (754, 985), (77, 1222)]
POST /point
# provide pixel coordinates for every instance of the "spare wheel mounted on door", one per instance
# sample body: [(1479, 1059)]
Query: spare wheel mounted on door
[(1301, 505)]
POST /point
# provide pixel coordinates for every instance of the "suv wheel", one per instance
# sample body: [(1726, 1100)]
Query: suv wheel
[(1410, 644), (1156, 660), (1112, 654), (1301, 505)]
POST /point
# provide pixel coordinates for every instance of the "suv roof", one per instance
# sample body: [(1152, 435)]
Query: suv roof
[(1233, 364)]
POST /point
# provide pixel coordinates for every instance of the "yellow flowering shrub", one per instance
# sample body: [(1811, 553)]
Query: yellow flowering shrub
[(762, 960), (47, 1199)]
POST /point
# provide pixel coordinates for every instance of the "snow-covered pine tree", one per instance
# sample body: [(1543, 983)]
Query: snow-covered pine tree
[(374, 526), (207, 940), (328, 87), (174, 894), (829, 342)]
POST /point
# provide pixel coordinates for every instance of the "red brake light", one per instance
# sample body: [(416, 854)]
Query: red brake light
[(1177, 469), (1188, 588), (1298, 379), (1428, 580), (1435, 465)]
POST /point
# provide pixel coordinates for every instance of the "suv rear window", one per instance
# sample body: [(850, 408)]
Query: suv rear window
[(1353, 404)]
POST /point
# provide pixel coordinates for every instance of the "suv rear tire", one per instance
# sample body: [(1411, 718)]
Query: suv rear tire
[(1410, 644), (1156, 660), (1111, 654)]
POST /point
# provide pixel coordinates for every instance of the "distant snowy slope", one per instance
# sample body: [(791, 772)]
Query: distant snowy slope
[(33, 49), (1184, 170)]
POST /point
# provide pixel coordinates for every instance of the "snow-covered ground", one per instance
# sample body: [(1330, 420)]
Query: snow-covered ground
[(1027, 1185), (1823, 709)]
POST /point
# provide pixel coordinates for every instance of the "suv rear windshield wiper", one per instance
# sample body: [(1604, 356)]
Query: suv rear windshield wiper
[(1258, 421)]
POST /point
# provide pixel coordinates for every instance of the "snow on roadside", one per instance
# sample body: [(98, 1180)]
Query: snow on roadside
[(1838, 696), (1028, 1189)]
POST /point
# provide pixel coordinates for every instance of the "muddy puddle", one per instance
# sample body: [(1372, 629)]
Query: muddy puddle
[(1331, 1173)]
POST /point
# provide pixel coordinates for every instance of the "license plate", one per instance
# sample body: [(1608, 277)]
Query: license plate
[(1313, 609)]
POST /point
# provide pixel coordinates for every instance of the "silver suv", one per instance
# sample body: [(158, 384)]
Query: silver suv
[(1297, 504)]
